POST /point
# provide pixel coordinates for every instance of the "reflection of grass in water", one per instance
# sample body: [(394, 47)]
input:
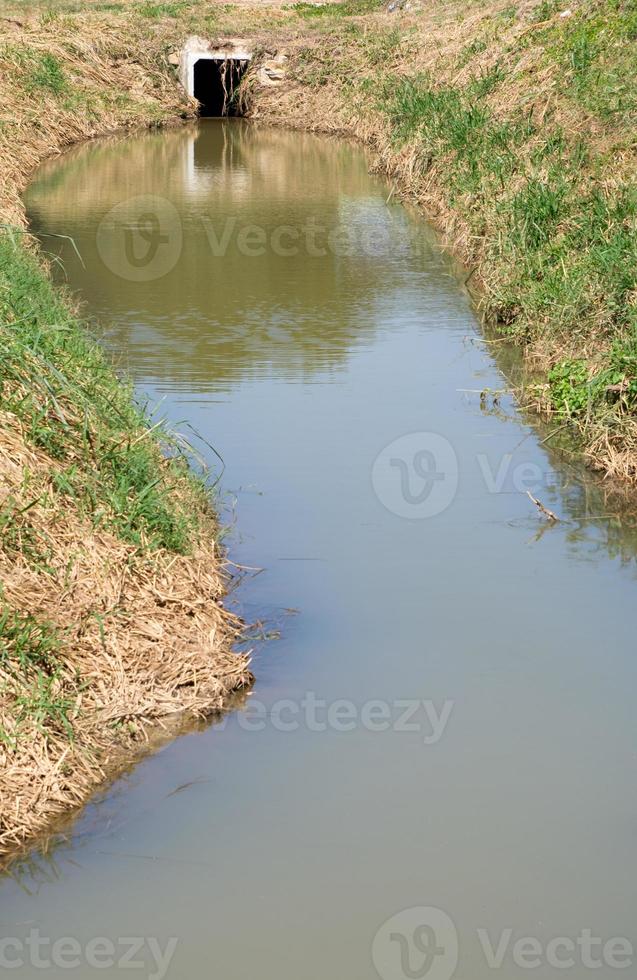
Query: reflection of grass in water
[(600, 515), (32, 867), (313, 322)]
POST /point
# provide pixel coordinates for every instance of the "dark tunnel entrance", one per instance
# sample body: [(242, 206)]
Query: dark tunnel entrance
[(216, 81)]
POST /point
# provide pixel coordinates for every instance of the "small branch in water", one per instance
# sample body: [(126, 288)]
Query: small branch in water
[(192, 782), (550, 516)]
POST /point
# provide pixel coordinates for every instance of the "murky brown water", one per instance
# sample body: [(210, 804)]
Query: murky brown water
[(447, 724)]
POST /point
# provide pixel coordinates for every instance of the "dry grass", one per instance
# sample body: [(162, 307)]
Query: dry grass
[(141, 636), (108, 83), (103, 640)]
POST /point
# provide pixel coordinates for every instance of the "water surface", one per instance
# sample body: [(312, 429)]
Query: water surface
[(278, 843)]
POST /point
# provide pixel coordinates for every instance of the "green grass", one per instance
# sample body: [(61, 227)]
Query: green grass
[(29, 652), (457, 125), (156, 11), (26, 644), (20, 538), (47, 73), (70, 404), (39, 73), (107, 467), (597, 48), (558, 220), (346, 8), (563, 246)]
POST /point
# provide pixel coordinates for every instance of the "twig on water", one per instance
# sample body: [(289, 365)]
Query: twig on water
[(550, 516)]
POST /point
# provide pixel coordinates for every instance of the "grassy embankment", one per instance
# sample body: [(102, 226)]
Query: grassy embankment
[(511, 125), (514, 126), (110, 614)]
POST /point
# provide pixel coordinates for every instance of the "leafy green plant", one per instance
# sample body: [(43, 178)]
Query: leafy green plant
[(570, 388)]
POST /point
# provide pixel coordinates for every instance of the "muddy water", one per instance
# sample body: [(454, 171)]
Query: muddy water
[(445, 731)]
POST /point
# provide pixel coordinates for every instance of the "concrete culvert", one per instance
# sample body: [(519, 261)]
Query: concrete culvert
[(215, 83), (211, 73)]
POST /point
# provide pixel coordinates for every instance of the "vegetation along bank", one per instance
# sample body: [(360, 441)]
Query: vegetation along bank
[(512, 125)]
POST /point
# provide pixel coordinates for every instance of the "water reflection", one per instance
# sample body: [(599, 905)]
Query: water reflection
[(278, 245)]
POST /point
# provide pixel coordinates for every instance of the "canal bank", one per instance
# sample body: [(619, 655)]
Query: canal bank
[(113, 633), (495, 152)]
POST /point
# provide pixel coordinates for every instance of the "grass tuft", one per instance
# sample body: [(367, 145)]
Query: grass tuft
[(30, 671)]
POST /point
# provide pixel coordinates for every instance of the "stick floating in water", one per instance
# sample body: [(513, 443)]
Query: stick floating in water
[(543, 510)]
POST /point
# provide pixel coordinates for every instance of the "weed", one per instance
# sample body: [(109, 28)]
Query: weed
[(545, 10), (42, 707), (570, 387), (20, 538), (535, 212), (29, 652), (477, 46)]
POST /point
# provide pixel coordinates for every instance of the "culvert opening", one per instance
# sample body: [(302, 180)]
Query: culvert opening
[(216, 81)]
